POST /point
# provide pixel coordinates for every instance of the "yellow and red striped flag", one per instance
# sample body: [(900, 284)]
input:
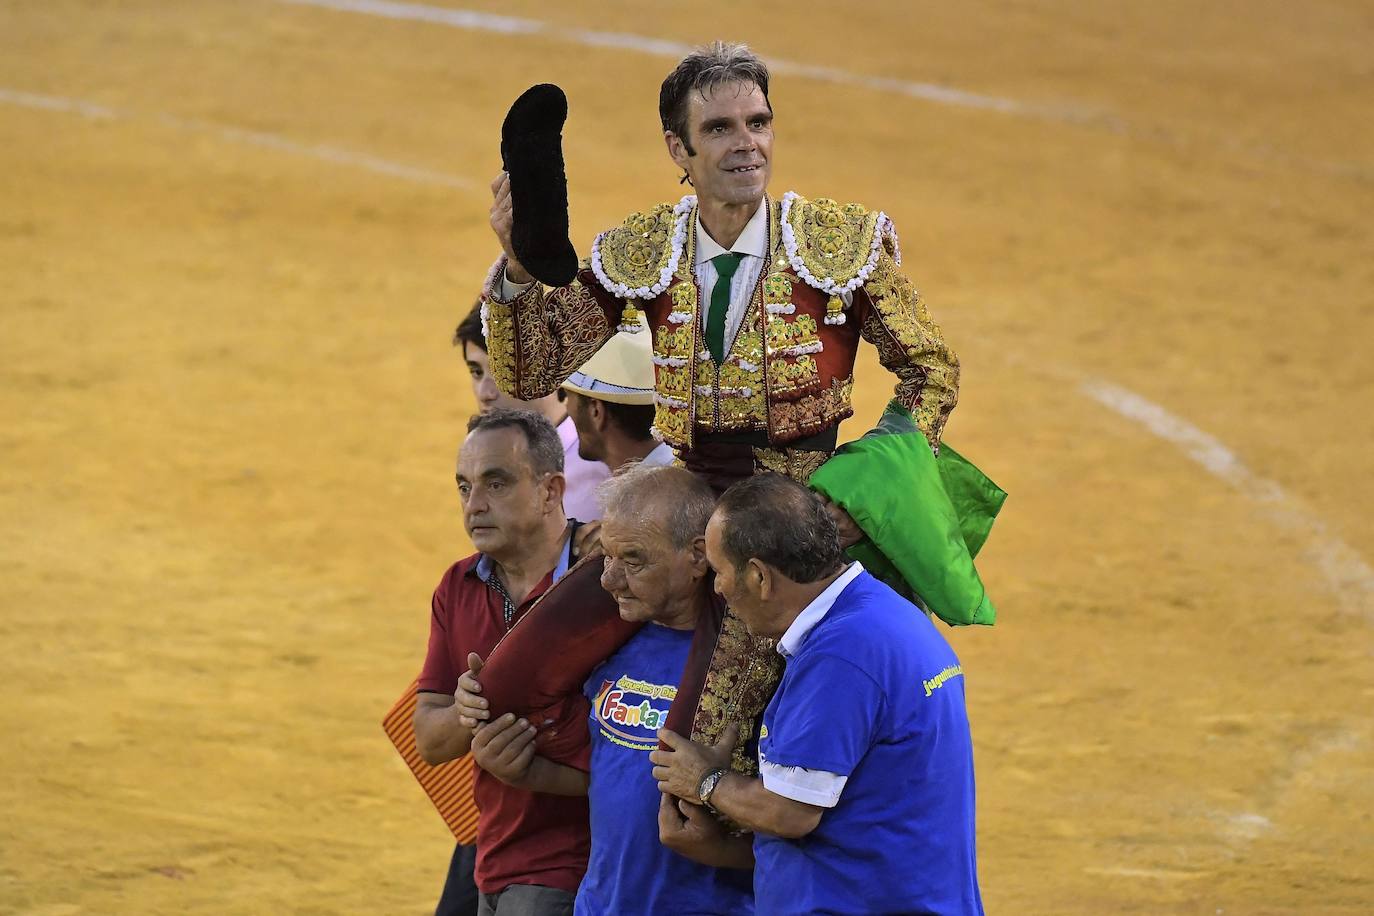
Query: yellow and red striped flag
[(449, 785)]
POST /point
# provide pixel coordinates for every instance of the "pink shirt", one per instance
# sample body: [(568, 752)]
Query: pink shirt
[(583, 476)]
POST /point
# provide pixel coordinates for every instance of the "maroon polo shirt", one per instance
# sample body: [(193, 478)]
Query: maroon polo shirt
[(522, 837)]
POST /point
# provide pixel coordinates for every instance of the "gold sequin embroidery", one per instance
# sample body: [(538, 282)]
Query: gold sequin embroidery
[(798, 464), (744, 672)]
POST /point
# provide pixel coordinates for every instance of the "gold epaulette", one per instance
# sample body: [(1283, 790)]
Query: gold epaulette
[(834, 247), (636, 259)]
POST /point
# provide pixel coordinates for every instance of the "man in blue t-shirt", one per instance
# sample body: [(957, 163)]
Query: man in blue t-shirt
[(865, 801), (656, 569)]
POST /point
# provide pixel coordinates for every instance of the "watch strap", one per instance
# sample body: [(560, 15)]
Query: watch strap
[(708, 784)]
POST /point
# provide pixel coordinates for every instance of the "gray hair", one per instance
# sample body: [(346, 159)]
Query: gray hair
[(706, 68), (772, 518), (680, 500), (541, 439)]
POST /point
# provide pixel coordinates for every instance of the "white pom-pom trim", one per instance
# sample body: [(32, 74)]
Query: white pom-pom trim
[(801, 349), (491, 293), (666, 401), (679, 317), (674, 361), (887, 228), (493, 285), (665, 276), (742, 392), (787, 309)]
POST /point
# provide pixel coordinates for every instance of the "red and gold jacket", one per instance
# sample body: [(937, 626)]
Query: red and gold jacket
[(831, 276)]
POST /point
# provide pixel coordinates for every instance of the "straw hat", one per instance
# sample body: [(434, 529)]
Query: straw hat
[(621, 372)]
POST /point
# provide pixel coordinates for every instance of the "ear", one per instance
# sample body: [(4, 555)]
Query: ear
[(760, 578), (555, 487), (677, 150), (700, 567), (596, 412)]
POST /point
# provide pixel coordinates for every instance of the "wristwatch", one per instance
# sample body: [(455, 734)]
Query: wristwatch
[(708, 784)]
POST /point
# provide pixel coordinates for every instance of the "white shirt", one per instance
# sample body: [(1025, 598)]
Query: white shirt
[(661, 456), (815, 612), (814, 787), (753, 244)]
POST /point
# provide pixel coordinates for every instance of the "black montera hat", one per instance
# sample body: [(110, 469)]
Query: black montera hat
[(532, 154)]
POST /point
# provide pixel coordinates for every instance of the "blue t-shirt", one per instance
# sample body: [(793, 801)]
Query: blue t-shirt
[(874, 693), (630, 871)]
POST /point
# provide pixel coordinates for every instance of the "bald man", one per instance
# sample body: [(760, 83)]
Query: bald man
[(656, 570)]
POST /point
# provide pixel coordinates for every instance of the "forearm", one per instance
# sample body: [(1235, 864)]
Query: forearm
[(552, 778), (746, 801), (439, 736), (928, 382), (930, 393), (728, 851), (541, 336), (912, 347)]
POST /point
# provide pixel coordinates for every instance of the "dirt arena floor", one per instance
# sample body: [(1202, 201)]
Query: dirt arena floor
[(234, 241)]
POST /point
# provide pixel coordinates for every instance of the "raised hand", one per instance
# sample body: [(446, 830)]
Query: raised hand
[(503, 223)]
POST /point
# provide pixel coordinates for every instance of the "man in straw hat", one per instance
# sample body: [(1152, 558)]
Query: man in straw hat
[(611, 403)]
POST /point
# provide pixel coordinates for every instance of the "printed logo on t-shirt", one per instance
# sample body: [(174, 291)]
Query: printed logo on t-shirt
[(935, 683), (630, 712)]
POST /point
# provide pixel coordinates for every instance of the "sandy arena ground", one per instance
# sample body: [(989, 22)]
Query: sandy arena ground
[(234, 240)]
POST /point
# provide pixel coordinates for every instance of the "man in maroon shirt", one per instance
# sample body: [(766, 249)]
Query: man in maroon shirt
[(531, 848)]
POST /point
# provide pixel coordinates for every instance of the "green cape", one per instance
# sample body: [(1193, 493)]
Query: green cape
[(925, 517)]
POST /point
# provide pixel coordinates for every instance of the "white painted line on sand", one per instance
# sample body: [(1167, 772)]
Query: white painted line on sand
[(477, 21), (54, 103), (1349, 576), (1205, 449), (241, 136), (1066, 112), (324, 152)]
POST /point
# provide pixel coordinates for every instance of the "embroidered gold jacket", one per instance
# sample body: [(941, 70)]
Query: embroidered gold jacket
[(832, 276)]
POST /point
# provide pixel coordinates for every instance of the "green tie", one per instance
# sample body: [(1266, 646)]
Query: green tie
[(726, 265)]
